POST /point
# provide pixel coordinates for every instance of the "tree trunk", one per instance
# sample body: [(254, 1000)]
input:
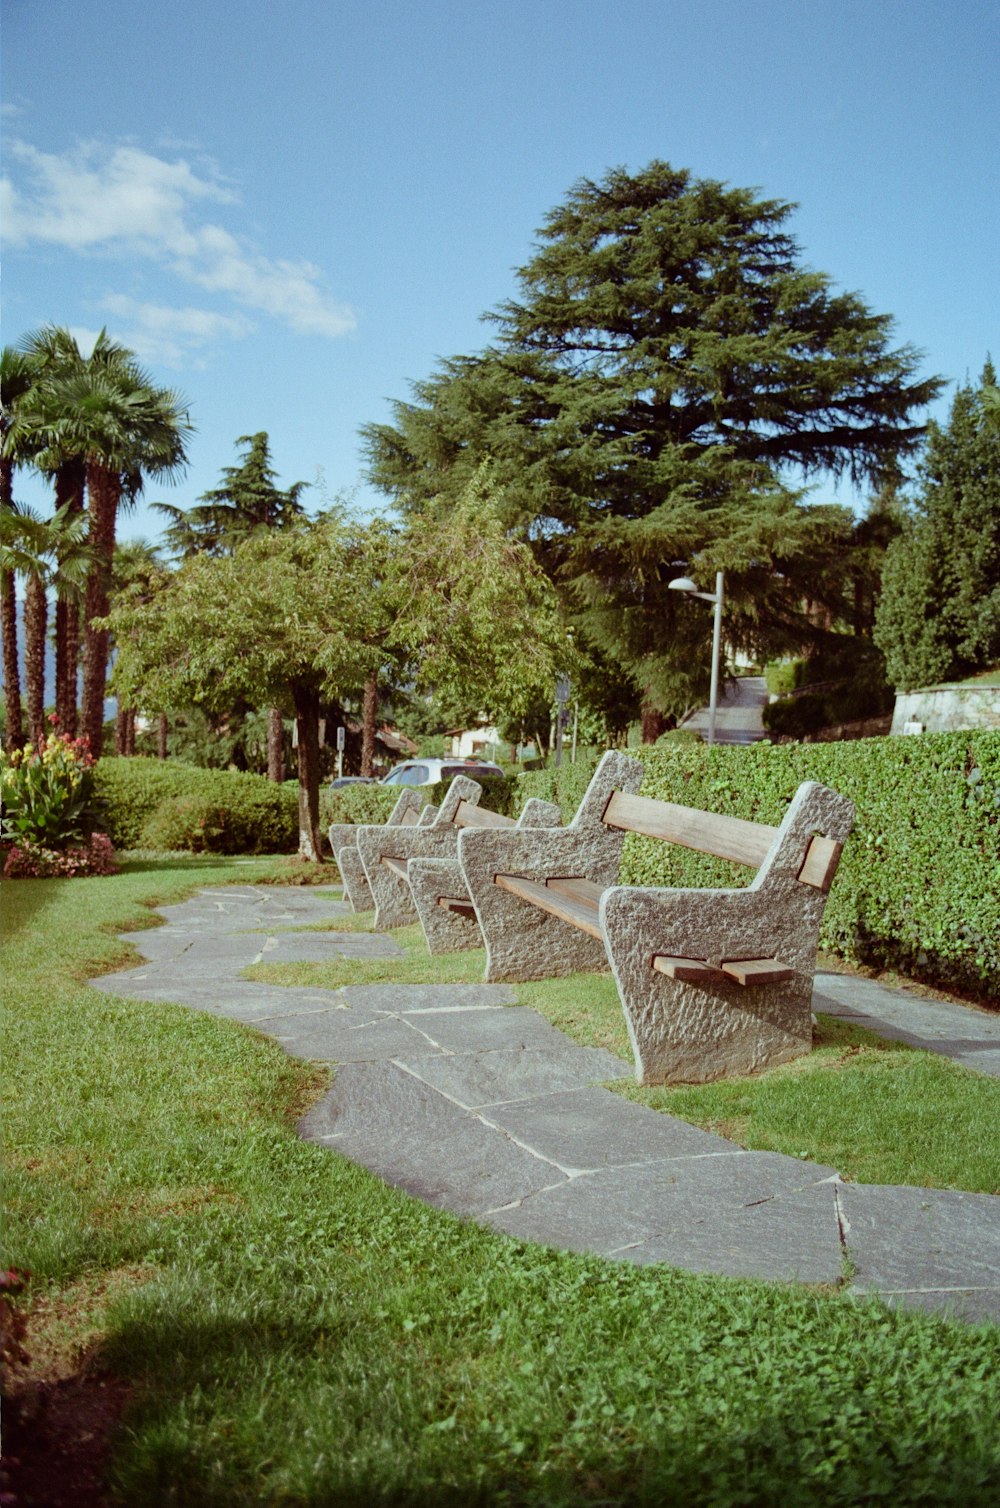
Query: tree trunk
[(654, 723), (103, 489), (162, 729), (369, 721), (275, 745), (11, 671), (125, 731), (69, 485), (36, 612), (307, 730)]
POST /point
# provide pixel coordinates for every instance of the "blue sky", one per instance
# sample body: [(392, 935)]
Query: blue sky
[(291, 211)]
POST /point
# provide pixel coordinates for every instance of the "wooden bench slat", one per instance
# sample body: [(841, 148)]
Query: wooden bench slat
[(398, 866), (820, 863), (469, 815), (757, 970), (457, 904), (693, 970), (730, 838), (578, 913), (410, 817), (587, 891)]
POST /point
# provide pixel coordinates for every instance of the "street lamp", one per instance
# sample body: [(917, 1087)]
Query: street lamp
[(685, 584)]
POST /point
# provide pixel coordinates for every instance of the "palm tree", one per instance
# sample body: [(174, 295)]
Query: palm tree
[(43, 552), (103, 413), (17, 373)]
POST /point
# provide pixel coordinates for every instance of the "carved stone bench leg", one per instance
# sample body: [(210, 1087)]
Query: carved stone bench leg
[(356, 886), (445, 931), (687, 1033)]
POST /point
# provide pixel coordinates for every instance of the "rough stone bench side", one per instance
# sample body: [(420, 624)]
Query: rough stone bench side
[(437, 885), (711, 981), (343, 842)]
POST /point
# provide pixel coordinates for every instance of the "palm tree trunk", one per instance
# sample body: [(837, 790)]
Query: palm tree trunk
[(69, 487), (369, 721), (162, 729), (14, 736), (125, 731), (307, 730), (275, 745), (36, 612), (103, 490)]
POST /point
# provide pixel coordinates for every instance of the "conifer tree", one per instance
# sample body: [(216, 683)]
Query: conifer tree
[(939, 614), (668, 379)]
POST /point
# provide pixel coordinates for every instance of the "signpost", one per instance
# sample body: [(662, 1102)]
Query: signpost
[(341, 739), (562, 697)]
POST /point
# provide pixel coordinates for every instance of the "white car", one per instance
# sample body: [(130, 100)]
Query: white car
[(430, 771)]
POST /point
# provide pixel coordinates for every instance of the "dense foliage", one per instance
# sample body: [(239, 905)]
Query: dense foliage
[(49, 794), (939, 615), (669, 372), (918, 886), (162, 804)]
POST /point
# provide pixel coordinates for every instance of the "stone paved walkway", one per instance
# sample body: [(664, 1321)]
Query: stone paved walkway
[(482, 1108)]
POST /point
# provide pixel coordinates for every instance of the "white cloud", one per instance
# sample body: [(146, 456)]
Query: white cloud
[(167, 336), (124, 202)]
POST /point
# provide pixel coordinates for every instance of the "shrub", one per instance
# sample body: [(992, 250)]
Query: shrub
[(357, 803), (498, 794), (918, 887), (28, 860), (49, 798), (253, 815)]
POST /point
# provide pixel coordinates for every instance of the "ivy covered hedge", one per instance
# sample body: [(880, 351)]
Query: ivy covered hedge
[(163, 804), (918, 887)]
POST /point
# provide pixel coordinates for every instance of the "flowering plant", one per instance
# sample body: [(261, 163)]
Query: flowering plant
[(48, 796), (33, 861)]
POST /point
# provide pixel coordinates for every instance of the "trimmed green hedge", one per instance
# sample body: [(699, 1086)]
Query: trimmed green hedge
[(373, 803), (163, 804), (918, 887)]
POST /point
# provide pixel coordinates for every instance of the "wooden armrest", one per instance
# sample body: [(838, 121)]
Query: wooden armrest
[(463, 907), (744, 971)]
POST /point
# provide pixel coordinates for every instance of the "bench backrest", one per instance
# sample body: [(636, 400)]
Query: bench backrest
[(468, 815), (724, 837)]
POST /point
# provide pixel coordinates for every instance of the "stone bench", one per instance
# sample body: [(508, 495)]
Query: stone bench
[(401, 887), (712, 982), (408, 811)]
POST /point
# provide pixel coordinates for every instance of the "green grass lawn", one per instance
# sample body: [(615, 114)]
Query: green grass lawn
[(295, 1332)]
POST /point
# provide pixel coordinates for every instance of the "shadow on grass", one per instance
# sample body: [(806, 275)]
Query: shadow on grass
[(316, 1415)]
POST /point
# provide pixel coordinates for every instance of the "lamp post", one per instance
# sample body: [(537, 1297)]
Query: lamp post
[(685, 584)]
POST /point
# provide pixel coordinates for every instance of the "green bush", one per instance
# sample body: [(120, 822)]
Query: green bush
[(918, 887), (784, 676), (498, 794), (252, 815), (357, 803)]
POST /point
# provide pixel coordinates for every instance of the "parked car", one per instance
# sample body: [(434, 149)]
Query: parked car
[(430, 771), (342, 780)]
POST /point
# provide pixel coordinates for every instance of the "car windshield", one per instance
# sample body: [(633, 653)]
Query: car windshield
[(414, 774)]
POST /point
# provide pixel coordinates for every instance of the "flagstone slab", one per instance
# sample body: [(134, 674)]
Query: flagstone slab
[(410, 999), (335, 1036), (417, 1140), (924, 1248), (480, 1079), (750, 1214), (591, 1128)]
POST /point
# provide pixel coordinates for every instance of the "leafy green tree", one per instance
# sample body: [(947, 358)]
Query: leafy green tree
[(248, 499), (670, 369), (313, 611), (939, 614)]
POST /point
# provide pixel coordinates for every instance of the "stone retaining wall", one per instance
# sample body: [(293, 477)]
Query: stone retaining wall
[(947, 710)]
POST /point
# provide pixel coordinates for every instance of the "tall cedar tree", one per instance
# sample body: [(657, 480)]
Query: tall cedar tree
[(669, 371), (939, 614)]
